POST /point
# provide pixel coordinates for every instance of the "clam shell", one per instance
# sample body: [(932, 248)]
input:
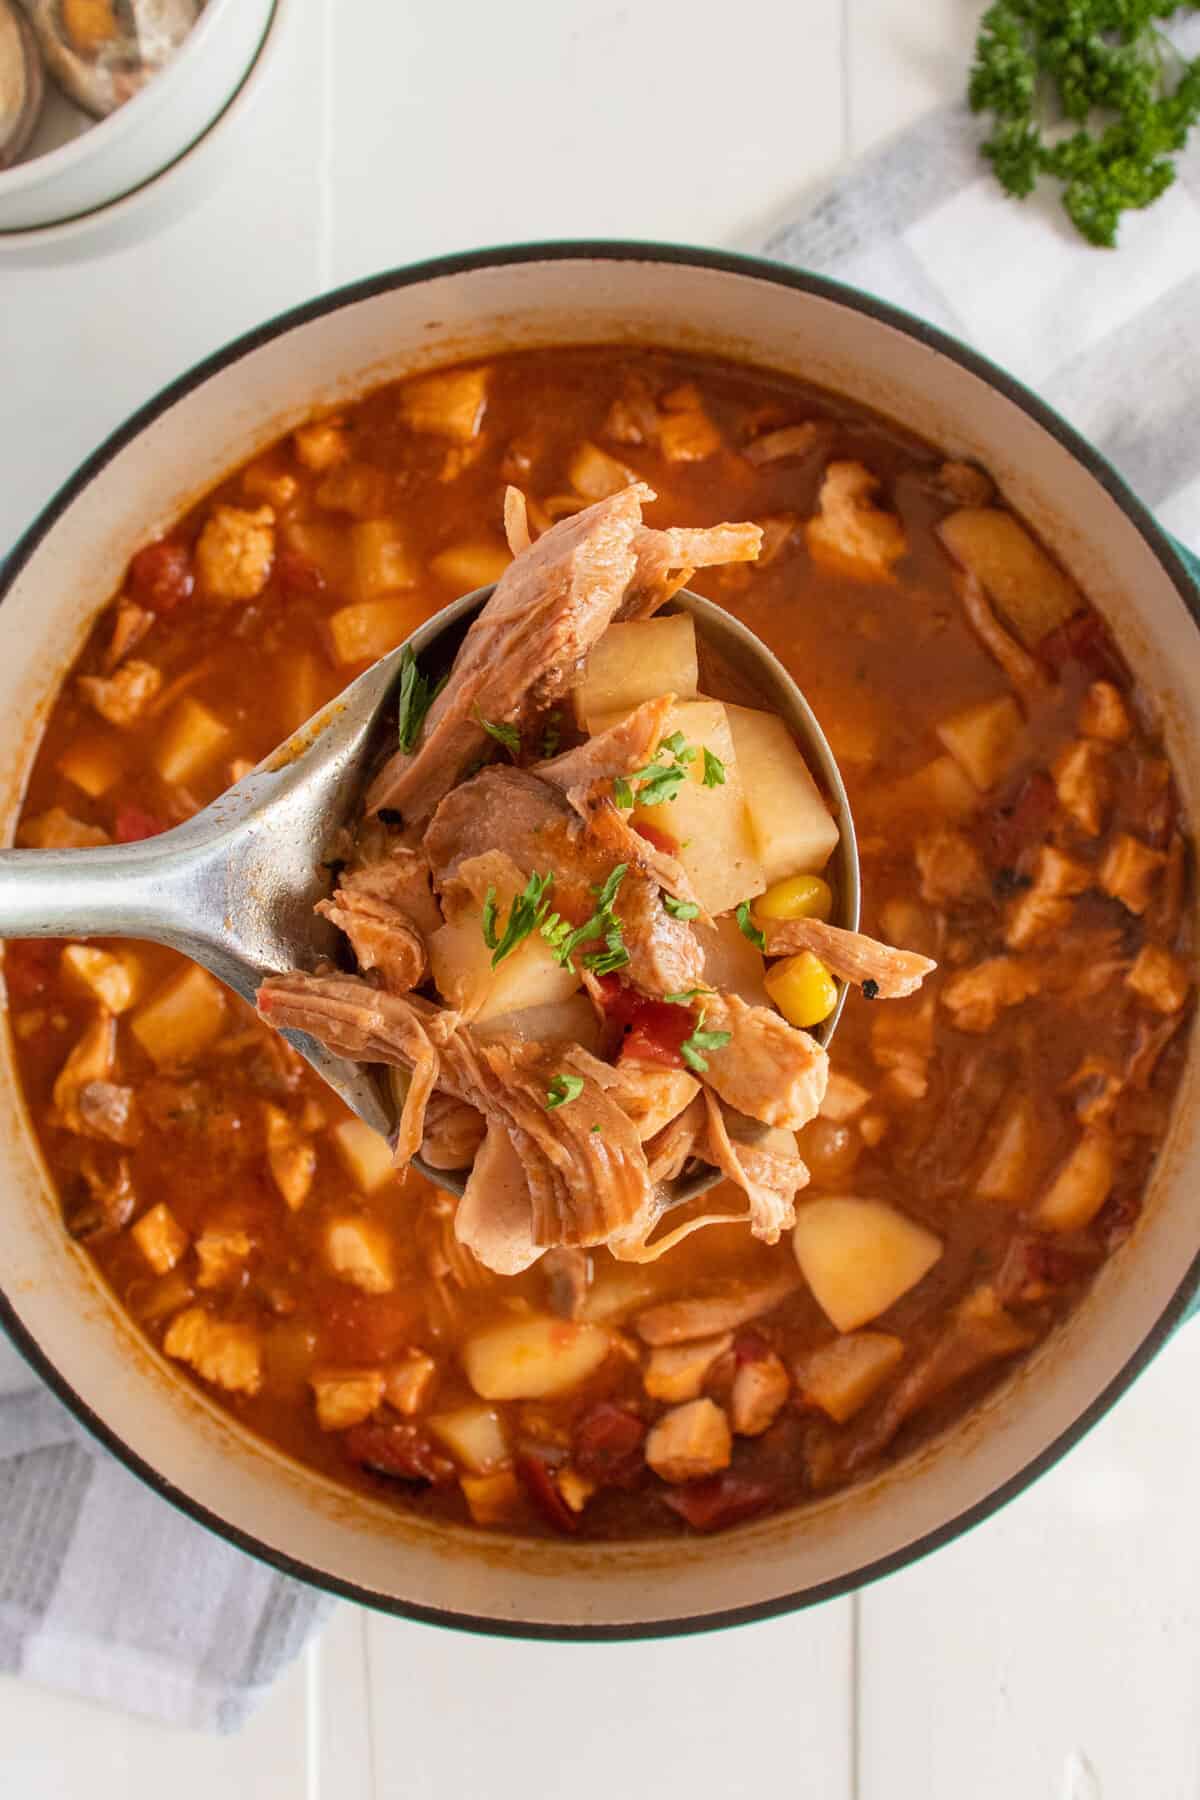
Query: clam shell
[(22, 88), (101, 52)]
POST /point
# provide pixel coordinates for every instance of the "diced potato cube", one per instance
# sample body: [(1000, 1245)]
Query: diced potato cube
[(57, 830), (193, 738), (366, 1154), (678, 1372), (360, 1251), (1028, 588), (474, 1436), (382, 560), (114, 978), (299, 679), (461, 963), (266, 481), (843, 1098), (346, 1397), (760, 1390), (575, 1489), (169, 1294), (93, 762), (450, 403), (859, 1256), (1006, 1175), (227, 1355), (841, 1377), (731, 962), (595, 474), (652, 1096), (465, 567), (1104, 715), (1081, 1186), (326, 547), (1160, 978), (687, 435), (938, 790), (123, 696), (493, 1499), (637, 662), (794, 831), (1129, 870), (569, 1021), (984, 739), (235, 551), (322, 445), (532, 1358), (370, 628), (410, 1382), (711, 825), (160, 1238), (293, 1170), (690, 1442), (181, 1019), (289, 1351), (221, 1251)]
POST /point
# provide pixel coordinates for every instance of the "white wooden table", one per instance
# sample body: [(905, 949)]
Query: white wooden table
[(1053, 1654)]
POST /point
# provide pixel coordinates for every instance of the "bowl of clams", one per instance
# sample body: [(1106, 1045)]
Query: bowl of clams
[(102, 99)]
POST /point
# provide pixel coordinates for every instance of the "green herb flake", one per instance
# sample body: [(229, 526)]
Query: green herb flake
[(597, 1128), (661, 785), (693, 1048), (416, 698), (505, 734), (488, 922), (688, 995), (714, 770), (526, 914), (680, 909), (748, 928), (562, 1090), (1102, 66), (551, 734), (622, 794)]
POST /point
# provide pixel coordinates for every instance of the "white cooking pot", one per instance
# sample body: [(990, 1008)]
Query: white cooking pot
[(220, 414)]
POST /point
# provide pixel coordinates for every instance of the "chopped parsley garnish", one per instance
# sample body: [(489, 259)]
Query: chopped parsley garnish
[(1103, 67), (688, 995), (562, 1090), (528, 910), (692, 1048), (680, 749), (622, 794), (680, 909), (597, 1128), (508, 735), (416, 698), (659, 781), (564, 938), (748, 928), (714, 770), (551, 734)]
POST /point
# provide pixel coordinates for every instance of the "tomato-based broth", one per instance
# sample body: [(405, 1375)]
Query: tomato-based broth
[(983, 1142)]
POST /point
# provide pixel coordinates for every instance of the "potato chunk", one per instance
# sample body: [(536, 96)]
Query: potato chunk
[(859, 1256), (380, 558), (1006, 1175), (1081, 1186), (410, 1382), (731, 962), (113, 978), (794, 830), (474, 1437), (94, 762), (461, 962), (984, 739), (677, 1372), (122, 697), (532, 1358), (221, 1251), (1018, 577), (322, 445), (760, 1388), (160, 1238), (851, 536), (235, 551), (633, 663), (227, 1355), (193, 738), (181, 1019), (346, 1397), (449, 404), (493, 1499), (368, 629), (360, 1252), (1129, 870), (690, 1442), (711, 825), (1160, 978), (366, 1155), (465, 567), (841, 1377)]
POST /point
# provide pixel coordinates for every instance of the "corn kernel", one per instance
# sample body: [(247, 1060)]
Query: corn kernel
[(798, 897), (802, 988)]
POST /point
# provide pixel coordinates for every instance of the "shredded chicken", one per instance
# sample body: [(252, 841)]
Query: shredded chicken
[(621, 750), (129, 628), (670, 1149), (1023, 671), (851, 535), (667, 560), (976, 997), (763, 1161), (453, 1133), (516, 520), (768, 1070), (381, 933), (548, 609), (1083, 783), (122, 698), (850, 954), (682, 1321), (950, 867), (788, 441)]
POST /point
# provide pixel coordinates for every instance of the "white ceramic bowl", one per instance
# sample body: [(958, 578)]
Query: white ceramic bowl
[(224, 411), (122, 153)]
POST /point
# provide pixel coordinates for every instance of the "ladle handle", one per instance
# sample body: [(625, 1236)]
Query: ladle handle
[(115, 890)]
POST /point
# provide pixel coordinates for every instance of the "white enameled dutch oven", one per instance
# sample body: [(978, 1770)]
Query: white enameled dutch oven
[(223, 412)]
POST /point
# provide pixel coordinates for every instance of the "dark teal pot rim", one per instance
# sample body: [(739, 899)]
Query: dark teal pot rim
[(1181, 567)]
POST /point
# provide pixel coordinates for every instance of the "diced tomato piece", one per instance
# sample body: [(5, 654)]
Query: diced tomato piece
[(1083, 639), (297, 576), (133, 823), (538, 1478), (719, 1502), (662, 840), (607, 1446), (644, 1030), (161, 576), (364, 1328), (400, 1451), (1023, 820)]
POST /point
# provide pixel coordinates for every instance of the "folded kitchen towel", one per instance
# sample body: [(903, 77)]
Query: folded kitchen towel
[(105, 1590), (1111, 339)]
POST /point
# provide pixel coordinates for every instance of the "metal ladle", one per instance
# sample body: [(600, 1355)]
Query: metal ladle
[(234, 888)]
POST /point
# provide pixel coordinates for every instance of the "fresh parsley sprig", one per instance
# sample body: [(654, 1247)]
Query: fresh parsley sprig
[(528, 910), (680, 909), (659, 781), (505, 734), (562, 1090), (1102, 66), (748, 928), (416, 698), (693, 1048)]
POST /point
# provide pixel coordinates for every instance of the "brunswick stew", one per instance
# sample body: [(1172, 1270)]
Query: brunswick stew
[(587, 922)]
